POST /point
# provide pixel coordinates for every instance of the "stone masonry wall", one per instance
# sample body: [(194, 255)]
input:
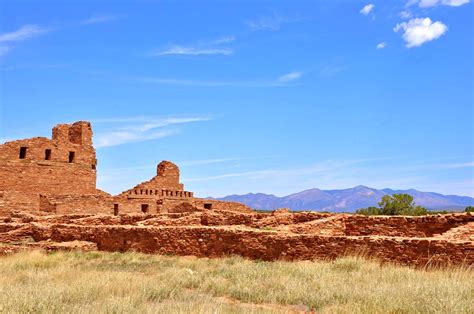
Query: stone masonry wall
[(166, 179), (421, 226), (64, 165), (264, 245)]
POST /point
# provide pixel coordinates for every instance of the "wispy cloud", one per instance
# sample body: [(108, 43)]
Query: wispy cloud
[(33, 67), (139, 129), (433, 3), (23, 33), (288, 77), (332, 69), (192, 51), (223, 40), (405, 14), (460, 165), (208, 161), (270, 174), (367, 9), (418, 31), (210, 47), (116, 138), (96, 19), (281, 81), (271, 22), (381, 45), (213, 161)]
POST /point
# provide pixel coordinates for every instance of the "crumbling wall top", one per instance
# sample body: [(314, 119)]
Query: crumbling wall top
[(79, 133), (167, 169)]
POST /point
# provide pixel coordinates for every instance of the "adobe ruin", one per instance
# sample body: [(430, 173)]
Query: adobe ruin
[(58, 176), (49, 200)]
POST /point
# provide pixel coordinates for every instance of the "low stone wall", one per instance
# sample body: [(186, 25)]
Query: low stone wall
[(420, 226), (264, 245), (437, 239)]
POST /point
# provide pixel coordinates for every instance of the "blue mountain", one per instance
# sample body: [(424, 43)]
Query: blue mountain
[(347, 200)]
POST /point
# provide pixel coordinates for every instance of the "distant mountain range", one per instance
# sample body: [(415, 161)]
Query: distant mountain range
[(347, 200)]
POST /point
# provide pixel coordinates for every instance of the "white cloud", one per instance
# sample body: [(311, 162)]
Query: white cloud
[(418, 31), (432, 3), (382, 45), (24, 32), (271, 23), (99, 19), (287, 174), (332, 69), (201, 48), (367, 9), (139, 129), (124, 137), (405, 14), (288, 77), (455, 3), (283, 80), (461, 165), (192, 51), (223, 40), (219, 160), (428, 3)]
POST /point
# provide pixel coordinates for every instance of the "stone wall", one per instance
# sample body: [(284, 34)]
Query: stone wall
[(58, 175), (264, 245), (214, 233), (165, 181), (64, 165), (421, 226), (81, 204), (20, 201)]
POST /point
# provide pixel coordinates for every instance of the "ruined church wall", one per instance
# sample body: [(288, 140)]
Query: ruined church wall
[(18, 201), (165, 183), (134, 206), (64, 165), (80, 204), (221, 205)]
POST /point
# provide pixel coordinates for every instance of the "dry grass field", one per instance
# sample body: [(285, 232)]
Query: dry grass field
[(96, 282)]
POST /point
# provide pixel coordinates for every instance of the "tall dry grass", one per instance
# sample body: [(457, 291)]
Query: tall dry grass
[(96, 282)]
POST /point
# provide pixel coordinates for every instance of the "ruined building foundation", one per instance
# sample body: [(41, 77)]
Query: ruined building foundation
[(49, 200)]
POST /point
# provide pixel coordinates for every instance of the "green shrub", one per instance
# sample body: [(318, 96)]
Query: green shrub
[(397, 204), (469, 209), (369, 211)]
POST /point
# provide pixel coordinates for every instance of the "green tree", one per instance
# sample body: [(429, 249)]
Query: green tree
[(469, 209), (369, 211), (397, 204)]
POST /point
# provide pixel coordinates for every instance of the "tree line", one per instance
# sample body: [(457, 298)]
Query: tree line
[(400, 204)]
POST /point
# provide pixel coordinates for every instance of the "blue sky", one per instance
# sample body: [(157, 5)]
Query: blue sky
[(250, 96)]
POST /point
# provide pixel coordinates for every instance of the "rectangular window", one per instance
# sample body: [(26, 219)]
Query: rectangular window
[(47, 154), (71, 156), (145, 208), (207, 206), (23, 152)]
